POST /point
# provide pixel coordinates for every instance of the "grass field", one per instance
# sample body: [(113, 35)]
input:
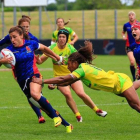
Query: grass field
[(106, 29), (18, 121)]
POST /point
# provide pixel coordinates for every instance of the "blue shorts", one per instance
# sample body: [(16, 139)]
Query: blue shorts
[(25, 85)]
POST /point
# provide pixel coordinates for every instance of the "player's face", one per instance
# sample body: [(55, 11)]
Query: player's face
[(16, 39), (131, 17), (72, 65), (26, 26), (60, 23), (136, 33), (62, 39)]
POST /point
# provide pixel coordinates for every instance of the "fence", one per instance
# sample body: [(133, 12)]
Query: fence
[(92, 24)]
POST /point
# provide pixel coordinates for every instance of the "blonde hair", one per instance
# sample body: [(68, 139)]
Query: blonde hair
[(132, 12), (65, 23)]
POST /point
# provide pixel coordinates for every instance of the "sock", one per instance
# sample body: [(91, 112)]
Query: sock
[(77, 114), (132, 69), (64, 122), (44, 103), (95, 108), (36, 109)]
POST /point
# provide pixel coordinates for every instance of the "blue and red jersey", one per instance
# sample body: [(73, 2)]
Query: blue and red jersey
[(6, 39), (130, 38), (25, 60), (135, 47)]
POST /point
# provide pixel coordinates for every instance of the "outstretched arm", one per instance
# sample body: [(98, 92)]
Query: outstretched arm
[(47, 51), (61, 81)]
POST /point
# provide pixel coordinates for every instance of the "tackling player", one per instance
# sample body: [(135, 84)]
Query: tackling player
[(80, 64), (64, 49)]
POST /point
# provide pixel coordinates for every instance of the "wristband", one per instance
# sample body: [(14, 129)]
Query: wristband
[(61, 59), (42, 82)]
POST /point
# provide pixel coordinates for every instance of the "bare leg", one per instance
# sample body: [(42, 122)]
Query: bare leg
[(136, 84), (70, 101), (79, 90), (132, 98)]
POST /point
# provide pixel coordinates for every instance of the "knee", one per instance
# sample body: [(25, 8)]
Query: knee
[(67, 95), (132, 62), (36, 96), (82, 95)]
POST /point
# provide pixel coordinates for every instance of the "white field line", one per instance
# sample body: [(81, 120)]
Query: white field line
[(25, 107), (40, 69)]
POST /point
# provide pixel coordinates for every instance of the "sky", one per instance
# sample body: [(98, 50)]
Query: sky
[(123, 1)]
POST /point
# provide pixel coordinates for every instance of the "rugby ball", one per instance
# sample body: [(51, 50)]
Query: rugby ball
[(8, 53)]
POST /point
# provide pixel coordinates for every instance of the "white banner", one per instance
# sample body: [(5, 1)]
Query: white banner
[(24, 3)]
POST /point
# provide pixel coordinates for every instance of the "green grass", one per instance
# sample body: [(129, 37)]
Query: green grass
[(106, 23), (19, 122)]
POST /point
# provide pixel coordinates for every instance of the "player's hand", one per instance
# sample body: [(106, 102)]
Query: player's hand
[(124, 38), (6, 60), (51, 86), (37, 80), (38, 61), (72, 43)]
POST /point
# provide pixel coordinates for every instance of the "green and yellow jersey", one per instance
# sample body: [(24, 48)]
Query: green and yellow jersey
[(98, 79), (62, 70), (71, 33)]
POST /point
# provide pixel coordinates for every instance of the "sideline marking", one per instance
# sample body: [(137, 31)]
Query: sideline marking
[(16, 107)]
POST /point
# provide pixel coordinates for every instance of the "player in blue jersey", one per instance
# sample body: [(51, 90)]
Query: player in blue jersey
[(25, 23), (135, 47), (25, 69), (129, 40)]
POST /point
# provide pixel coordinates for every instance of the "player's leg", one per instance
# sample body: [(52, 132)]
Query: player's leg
[(132, 98), (37, 111), (35, 91), (70, 101), (132, 64), (79, 90)]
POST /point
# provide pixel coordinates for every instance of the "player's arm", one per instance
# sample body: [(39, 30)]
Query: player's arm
[(53, 41), (75, 38), (62, 80), (47, 51), (41, 59), (123, 35)]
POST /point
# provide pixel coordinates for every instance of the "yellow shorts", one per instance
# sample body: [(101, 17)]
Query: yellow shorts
[(122, 84)]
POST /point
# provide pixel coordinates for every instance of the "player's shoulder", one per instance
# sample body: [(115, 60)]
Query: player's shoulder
[(68, 28), (53, 46)]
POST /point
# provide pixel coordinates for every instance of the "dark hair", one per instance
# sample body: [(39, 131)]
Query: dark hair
[(23, 20), (65, 23), (65, 32), (20, 31), (24, 16), (84, 54)]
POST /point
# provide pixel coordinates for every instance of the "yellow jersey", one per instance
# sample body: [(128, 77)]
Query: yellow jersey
[(96, 78), (62, 70)]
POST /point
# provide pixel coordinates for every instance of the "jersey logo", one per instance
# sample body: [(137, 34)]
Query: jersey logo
[(28, 49), (60, 54)]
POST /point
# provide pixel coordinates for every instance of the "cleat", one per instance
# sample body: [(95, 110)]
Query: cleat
[(57, 121), (79, 118), (69, 128), (41, 120), (101, 113)]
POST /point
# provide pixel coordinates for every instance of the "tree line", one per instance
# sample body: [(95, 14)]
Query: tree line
[(61, 5)]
